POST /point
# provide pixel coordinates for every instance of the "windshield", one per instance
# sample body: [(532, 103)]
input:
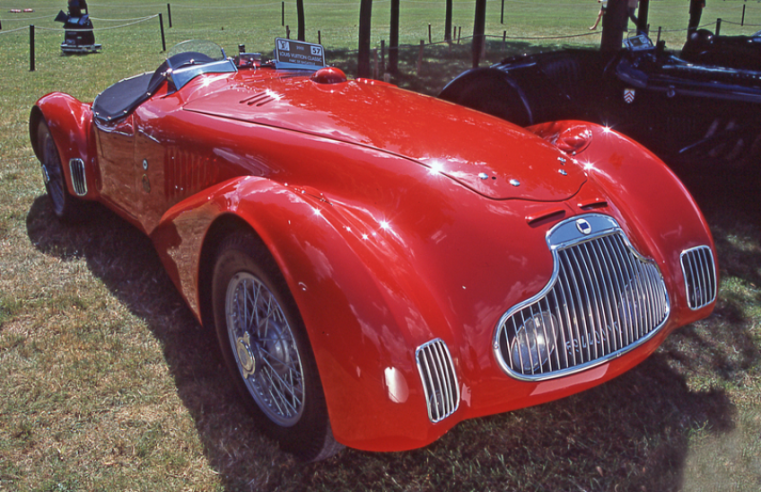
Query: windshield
[(207, 48), (189, 59)]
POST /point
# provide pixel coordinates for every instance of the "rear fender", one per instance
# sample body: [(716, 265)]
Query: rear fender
[(362, 325), (70, 124)]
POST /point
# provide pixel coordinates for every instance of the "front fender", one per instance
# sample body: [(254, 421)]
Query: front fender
[(649, 197), (364, 310), (70, 124)]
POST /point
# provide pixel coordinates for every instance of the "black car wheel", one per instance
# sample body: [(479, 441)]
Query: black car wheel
[(266, 349), (65, 206)]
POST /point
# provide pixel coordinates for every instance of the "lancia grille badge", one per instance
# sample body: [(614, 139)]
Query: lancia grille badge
[(583, 226)]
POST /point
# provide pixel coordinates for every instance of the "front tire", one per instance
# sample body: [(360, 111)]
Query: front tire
[(65, 206), (266, 349)]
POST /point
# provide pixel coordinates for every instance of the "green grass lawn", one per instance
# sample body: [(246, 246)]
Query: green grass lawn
[(108, 383)]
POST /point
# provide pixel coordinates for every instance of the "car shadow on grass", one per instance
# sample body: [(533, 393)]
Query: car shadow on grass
[(628, 434)]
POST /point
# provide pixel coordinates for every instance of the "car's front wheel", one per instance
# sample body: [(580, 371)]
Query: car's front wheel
[(265, 346), (65, 206)]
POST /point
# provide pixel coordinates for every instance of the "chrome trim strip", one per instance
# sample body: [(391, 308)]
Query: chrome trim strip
[(699, 266), (589, 274), (437, 373)]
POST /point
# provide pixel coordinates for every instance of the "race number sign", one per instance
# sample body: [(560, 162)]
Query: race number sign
[(298, 54)]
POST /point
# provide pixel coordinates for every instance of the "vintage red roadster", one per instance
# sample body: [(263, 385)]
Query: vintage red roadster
[(380, 265)]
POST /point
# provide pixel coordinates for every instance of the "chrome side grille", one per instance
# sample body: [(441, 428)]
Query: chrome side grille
[(699, 276), (78, 181), (603, 299), (442, 393), (186, 173)]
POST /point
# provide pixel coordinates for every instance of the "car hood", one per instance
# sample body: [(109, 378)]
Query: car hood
[(487, 155)]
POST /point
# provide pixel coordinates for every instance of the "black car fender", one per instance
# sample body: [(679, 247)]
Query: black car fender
[(491, 91)]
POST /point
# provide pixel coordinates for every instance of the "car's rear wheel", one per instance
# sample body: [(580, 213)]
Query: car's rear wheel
[(65, 206), (265, 346)]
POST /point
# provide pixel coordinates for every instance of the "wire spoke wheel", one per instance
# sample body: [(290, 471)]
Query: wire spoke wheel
[(265, 349)]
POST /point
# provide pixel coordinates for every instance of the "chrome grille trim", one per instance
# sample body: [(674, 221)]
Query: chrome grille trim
[(78, 181), (442, 393), (699, 272), (603, 299)]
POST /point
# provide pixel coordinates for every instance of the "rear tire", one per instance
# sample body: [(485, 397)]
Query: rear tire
[(65, 206), (266, 349)]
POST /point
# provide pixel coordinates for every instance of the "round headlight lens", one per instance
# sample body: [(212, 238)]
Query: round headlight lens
[(534, 342)]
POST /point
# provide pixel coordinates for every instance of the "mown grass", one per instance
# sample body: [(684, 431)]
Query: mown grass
[(108, 383)]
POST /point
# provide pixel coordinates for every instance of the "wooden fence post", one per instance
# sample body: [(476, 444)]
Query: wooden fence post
[(420, 57), (161, 26), (31, 47), (383, 56)]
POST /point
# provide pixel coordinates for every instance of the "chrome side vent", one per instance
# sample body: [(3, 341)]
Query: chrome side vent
[(603, 300), (437, 372), (78, 181), (699, 276)]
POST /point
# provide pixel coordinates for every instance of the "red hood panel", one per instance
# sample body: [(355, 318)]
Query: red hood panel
[(485, 154)]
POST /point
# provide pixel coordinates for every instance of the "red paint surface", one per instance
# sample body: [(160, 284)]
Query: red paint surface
[(393, 218)]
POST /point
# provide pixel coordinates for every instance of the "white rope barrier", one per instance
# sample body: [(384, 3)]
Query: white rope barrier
[(25, 28), (123, 20)]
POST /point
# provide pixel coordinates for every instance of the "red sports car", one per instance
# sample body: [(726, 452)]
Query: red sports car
[(380, 265)]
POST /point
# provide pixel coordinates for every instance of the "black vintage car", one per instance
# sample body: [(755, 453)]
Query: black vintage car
[(706, 48), (687, 113)]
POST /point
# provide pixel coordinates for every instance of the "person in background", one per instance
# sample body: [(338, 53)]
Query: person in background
[(632, 11), (603, 6), (696, 10)]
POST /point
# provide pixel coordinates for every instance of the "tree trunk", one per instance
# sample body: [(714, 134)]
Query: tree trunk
[(613, 24), (448, 23), (393, 44), (479, 28), (642, 13), (300, 15), (363, 58)]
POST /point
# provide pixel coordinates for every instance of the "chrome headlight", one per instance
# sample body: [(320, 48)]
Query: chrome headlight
[(534, 342)]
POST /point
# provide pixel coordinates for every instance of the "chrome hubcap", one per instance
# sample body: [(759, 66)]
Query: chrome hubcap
[(265, 349)]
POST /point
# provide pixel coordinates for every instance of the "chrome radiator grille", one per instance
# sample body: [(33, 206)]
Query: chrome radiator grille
[(699, 276), (439, 379), (604, 299)]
